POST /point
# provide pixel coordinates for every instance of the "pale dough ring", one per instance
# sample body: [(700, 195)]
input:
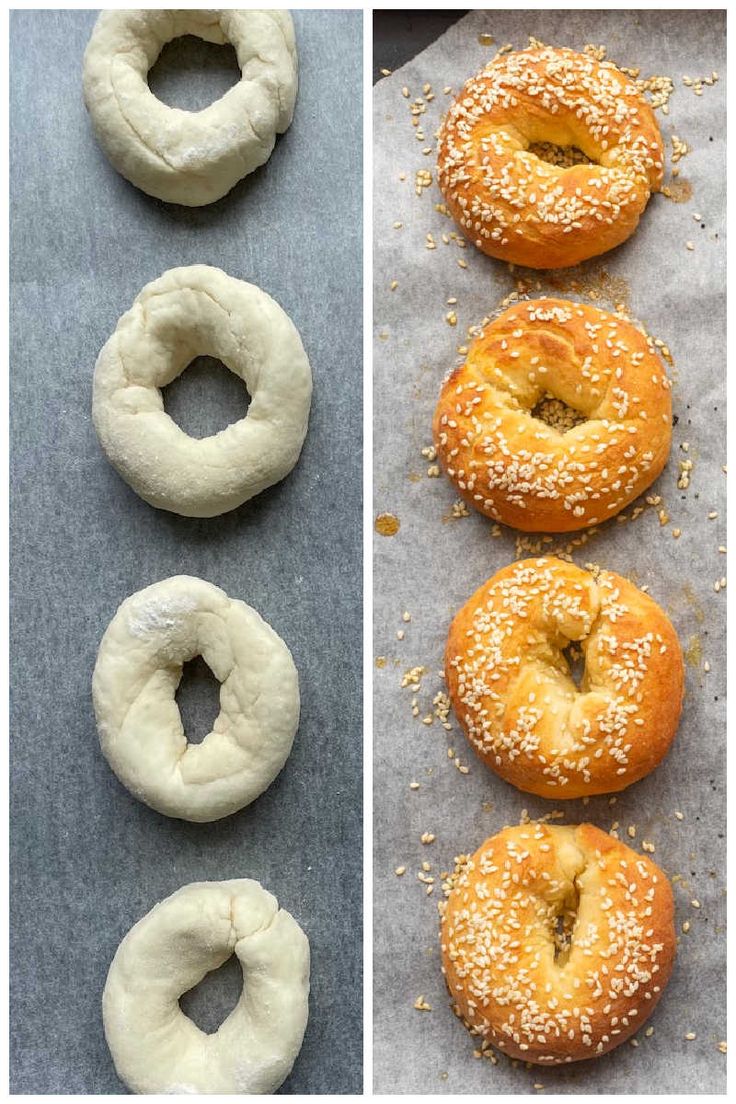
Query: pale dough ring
[(159, 1050), (138, 670), (190, 312), (189, 157)]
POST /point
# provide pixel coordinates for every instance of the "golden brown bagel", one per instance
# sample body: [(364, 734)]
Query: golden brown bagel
[(512, 690), (519, 470), (515, 206), (539, 994)]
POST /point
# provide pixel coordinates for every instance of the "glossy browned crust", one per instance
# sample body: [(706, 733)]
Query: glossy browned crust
[(518, 470), (514, 206), (497, 942), (512, 693)]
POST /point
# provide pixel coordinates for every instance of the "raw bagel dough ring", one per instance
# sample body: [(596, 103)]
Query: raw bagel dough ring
[(159, 1050), (189, 157), (190, 312), (520, 986), (138, 670), (516, 700)]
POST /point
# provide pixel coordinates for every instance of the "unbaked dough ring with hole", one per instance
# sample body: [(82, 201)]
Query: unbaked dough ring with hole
[(186, 313), (189, 157), (159, 1050), (138, 669)]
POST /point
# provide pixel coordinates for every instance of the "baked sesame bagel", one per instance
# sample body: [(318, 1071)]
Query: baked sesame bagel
[(518, 207), (513, 693), (557, 942), (560, 416)]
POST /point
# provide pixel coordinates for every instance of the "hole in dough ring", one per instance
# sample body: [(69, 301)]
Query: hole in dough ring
[(159, 1050), (517, 207), (138, 669), (189, 157), (502, 963), (516, 469), (190, 312), (513, 693)]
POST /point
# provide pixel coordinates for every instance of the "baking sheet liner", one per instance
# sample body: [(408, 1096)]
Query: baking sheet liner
[(87, 859), (435, 561)]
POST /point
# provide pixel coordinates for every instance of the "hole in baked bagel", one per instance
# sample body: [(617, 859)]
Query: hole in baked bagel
[(557, 414), (210, 1002), (190, 73), (575, 659), (205, 398), (564, 925), (561, 156), (198, 698)]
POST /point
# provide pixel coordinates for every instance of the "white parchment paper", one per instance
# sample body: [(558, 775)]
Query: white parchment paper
[(434, 563)]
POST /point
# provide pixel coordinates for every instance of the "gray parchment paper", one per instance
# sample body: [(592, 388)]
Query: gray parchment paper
[(433, 565), (87, 859)]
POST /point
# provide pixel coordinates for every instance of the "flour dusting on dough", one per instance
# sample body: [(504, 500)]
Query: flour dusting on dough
[(154, 614)]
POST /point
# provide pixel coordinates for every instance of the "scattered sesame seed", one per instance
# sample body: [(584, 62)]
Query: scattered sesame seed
[(400, 870)]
